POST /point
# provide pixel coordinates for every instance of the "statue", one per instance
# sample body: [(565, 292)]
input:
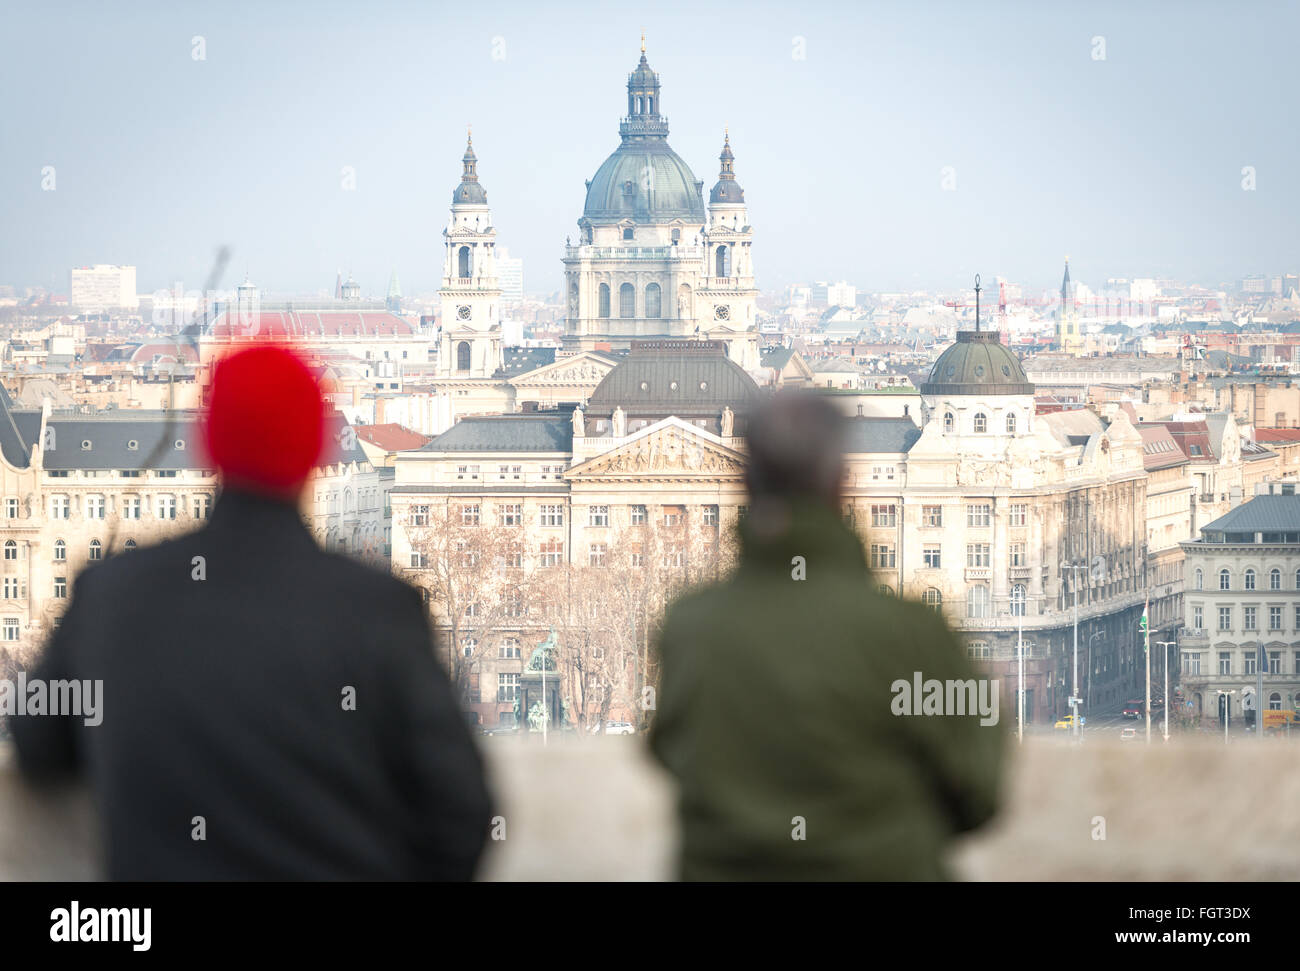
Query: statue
[(543, 659), (620, 422), (537, 717), (728, 422), (579, 429)]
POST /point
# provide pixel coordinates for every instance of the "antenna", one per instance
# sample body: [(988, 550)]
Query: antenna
[(977, 302)]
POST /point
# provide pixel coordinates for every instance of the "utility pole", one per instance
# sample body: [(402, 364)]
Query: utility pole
[(1074, 695), (1261, 659), (1146, 651), (1166, 645)]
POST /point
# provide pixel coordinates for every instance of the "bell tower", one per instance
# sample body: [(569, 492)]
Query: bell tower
[(727, 294), (469, 340)]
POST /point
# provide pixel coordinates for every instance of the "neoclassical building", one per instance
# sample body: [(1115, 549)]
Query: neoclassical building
[(1243, 608), (988, 512), (651, 261)]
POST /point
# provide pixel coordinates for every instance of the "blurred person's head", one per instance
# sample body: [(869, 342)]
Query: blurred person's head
[(264, 425), (796, 452)]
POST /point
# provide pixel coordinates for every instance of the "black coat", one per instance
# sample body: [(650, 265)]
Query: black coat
[(226, 698)]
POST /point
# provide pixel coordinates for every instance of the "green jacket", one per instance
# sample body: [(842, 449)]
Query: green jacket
[(776, 715)]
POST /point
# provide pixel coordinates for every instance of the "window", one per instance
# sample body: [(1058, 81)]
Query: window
[(469, 514), (507, 687), (60, 507), (710, 517), (1019, 513), (1274, 618), (510, 514), (596, 554), (96, 550), (1225, 618), (551, 553), (743, 510), (1018, 557), (933, 556), (11, 628), (977, 602), (60, 550), (1248, 618), (947, 421), (551, 516), (60, 587), (469, 646), (130, 507), (1250, 579), (932, 516), (1249, 657), (202, 506), (417, 560), (129, 545), (1198, 617), (653, 300), (13, 589), (166, 507), (1274, 664), (979, 650), (1192, 663), (674, 556), (515, 556), (627, 233), (11, 550), (508, 650), (1198, 580), (467, 472), (882, 556), (674, 516), (1019, 596), (722, 262), (978, 555), (598, 516), (979, 515), (603, 310), (932, 598), (639, 515), (1225, 662), (1011, 423), (11, 508), (1225, 580), (419, 515), (1297, 579), (514, 604), (166, 473), (880, 472), (1297, 617), (884, 516), (627, 300), (981, 423)]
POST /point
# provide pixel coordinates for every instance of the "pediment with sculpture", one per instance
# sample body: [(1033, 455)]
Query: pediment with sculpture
[(581, 370), (671, 449)]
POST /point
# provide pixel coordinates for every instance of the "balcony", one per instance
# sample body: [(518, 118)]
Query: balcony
[(978, 573), (1021, 572)]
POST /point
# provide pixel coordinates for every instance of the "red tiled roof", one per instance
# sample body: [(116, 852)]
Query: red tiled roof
[(1159, 450), (391, 437), (1277, 434), (1193, 437), (166, 351), (308, 324)]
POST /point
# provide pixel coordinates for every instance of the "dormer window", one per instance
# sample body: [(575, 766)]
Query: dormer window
[(133, 445), (628, 233), (179, 444), (85, 444)]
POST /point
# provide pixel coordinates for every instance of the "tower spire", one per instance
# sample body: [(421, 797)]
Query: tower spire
[(977, 303)]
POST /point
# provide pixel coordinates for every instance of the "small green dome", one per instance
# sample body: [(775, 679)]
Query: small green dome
[(977, 364)]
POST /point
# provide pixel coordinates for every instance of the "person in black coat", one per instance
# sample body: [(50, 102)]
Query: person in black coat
[(268, 710)]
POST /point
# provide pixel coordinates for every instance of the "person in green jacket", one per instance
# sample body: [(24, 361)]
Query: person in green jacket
[(797, 708)]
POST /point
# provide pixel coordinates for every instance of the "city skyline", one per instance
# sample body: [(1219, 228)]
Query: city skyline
[(247, 147)]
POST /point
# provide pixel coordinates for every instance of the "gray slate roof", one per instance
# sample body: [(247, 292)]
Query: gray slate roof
[(1262, 514), (506, 433), (881, 434), (109, 442)]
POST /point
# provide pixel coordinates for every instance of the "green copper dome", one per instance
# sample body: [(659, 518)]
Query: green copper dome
[(977, 364), (644, 180)]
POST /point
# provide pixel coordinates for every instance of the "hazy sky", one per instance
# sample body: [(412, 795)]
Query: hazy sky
[(1132, 165)]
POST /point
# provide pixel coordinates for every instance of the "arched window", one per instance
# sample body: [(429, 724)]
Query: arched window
[(650, 104), (1297, 579), (11, 550), (604, 300), (464, 262), (462, 356), (981, 423), (1019, 595), (977, 602), (627, 300), (1199, 579), (932, 598), (1225, 580), (130, 544), (96, 550), (653, 300), (1275, 579), (1250, 579), (947, 421), (885, 590), (1275, 702), (60, 550), (722, 259), (677, 236), (1011, 423)]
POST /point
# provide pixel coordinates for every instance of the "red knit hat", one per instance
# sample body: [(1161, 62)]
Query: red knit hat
[(264, 426)]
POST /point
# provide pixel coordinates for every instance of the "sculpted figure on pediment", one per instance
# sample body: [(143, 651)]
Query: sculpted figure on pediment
[(620, 422)]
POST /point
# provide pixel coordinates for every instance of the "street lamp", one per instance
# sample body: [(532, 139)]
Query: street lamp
[(1074, 695), (1018, 611), (1088, 698), (1166, 645)]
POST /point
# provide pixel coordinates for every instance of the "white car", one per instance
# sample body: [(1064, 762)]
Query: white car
[(620, 728)]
